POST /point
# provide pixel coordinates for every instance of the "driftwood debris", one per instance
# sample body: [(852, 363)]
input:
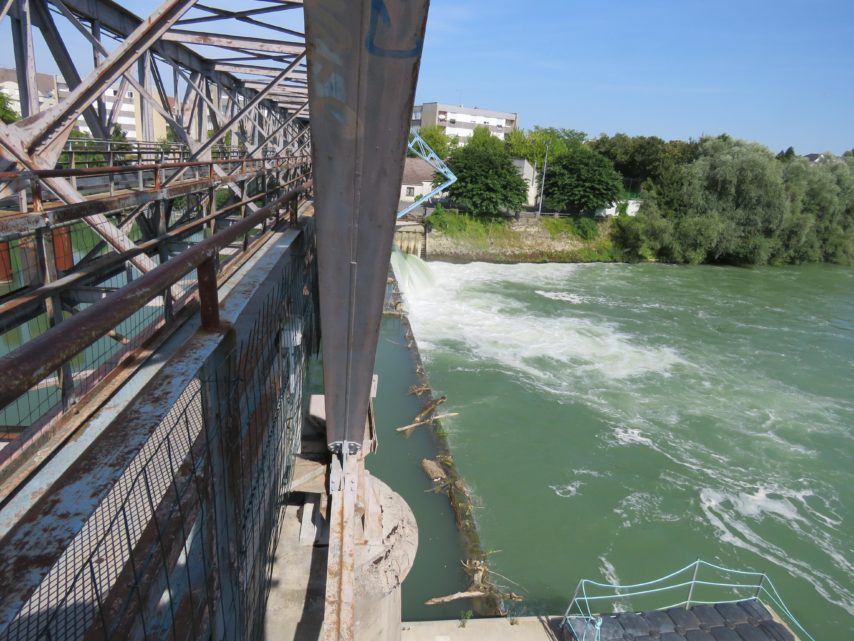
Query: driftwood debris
[(430, 408), (481, 586), (455, 597), (418, 390), (433, 470), (425, 421)]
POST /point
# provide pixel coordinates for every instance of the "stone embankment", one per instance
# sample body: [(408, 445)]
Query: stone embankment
[(524, 240)]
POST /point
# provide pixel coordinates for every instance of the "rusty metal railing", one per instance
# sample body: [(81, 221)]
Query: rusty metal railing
[(56, 263), (175, 519)]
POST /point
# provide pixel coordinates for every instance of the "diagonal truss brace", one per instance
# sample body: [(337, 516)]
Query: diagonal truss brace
[(420, 148)]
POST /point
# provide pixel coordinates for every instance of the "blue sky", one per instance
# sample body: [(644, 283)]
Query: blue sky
[(778, 72)]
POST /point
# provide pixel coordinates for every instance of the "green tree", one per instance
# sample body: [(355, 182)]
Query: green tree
[(787, 155), (558, 142), (517, 143), (726, 206), (483, 139), (580, 181), (119, 138), (487, 182), (7, 114), (86, 151), (642, 158), (436, 139)]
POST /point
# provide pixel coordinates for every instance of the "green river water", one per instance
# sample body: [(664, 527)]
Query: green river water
[(617, 422)]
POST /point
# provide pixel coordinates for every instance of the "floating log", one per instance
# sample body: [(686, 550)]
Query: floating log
[(433, 470), (429, 420), (430, 408), (456, 596)]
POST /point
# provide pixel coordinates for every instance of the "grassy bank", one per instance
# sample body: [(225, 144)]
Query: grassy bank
[(460, 237)]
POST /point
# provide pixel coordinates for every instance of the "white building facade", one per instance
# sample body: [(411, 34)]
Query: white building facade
[(528, 174), (460, 122), (52, 89)]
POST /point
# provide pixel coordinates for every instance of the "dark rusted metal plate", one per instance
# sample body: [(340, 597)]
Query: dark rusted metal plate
[(363, 60)]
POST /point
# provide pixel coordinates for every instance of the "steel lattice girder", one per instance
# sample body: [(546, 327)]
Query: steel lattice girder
[(254, 111)]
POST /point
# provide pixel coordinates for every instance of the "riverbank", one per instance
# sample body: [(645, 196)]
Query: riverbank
[(457, 238)]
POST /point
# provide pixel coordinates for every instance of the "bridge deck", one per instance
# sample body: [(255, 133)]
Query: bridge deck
[(748, 620)]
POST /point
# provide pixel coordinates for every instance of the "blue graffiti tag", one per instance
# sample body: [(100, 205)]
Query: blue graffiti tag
[(379, 11)]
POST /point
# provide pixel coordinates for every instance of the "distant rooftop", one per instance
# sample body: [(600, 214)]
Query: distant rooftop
[(471, 110), (417, 171)]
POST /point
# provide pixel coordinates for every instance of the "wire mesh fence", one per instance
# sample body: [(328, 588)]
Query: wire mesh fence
[(181, 546), (54, 271)]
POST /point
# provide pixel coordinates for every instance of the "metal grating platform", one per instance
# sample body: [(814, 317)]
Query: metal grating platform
[(747, 620)]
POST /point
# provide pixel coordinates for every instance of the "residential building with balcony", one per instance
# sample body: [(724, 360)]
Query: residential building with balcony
[(460, 122)]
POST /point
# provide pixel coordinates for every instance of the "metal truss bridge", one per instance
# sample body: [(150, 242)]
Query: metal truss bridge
[(161, 299)]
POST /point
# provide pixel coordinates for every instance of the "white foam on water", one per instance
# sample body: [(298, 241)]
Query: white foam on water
[(631, 436), (464, 308), (731, 515), (593, 473), (642, 507), (567, 490), (575, 299), (609, 572)]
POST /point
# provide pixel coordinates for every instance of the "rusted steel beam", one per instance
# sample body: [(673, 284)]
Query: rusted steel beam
[(208, 296), (56, 121), (126, 169), (235, 42), (361, 54), (247, 108), (10, 142), (65, 62), (258, 70), (5, 5), (339, 612), (36, 359), (22, 223)]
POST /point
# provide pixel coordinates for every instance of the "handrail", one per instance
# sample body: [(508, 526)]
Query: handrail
[(581, 601), (37, 358), (121, 169)]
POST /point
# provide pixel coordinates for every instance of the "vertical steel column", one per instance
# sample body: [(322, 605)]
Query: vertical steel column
[(363, 59), (25, 60), (53, 308)]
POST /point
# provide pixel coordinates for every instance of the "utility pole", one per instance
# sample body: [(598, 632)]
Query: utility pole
[(543, 181)]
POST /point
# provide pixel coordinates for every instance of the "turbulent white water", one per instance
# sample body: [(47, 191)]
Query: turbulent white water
[(675, 412)]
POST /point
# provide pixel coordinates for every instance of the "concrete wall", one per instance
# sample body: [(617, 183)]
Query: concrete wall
[(526, 170), (419, 190)]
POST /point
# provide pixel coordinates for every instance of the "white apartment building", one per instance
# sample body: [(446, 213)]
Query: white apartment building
[(53, 88), (45, 82), (127, 117), (460, 122)]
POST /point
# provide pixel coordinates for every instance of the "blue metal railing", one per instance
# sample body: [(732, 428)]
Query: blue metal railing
[(720, 585), (423, 151)]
